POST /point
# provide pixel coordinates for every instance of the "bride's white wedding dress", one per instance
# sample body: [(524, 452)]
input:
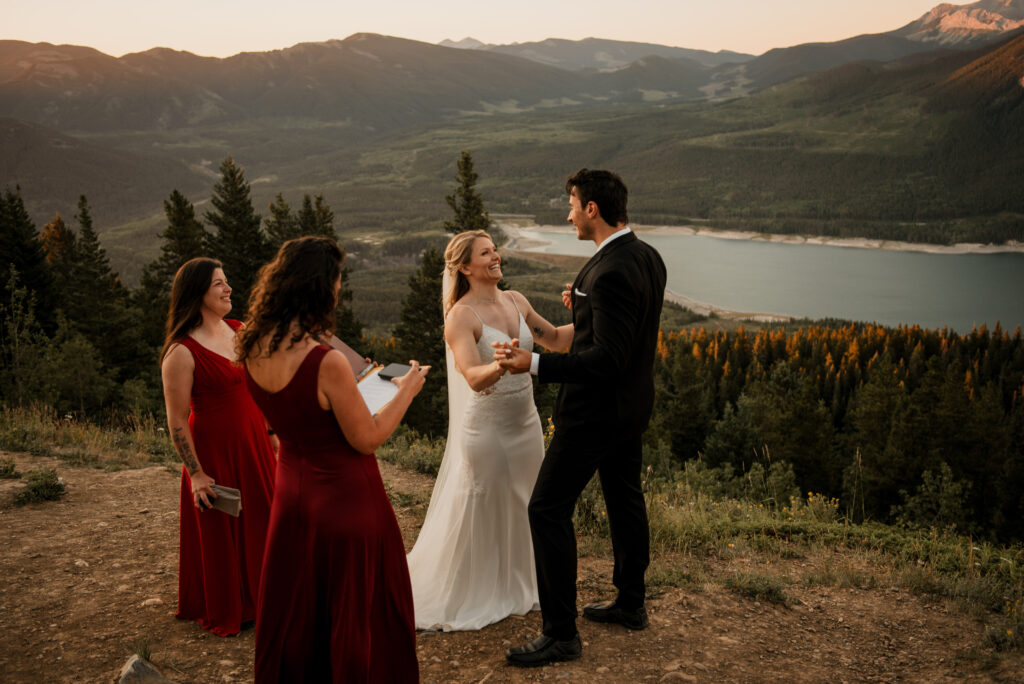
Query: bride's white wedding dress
[(472, 564)]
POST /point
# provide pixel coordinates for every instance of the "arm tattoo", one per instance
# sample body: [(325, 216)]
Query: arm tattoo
[(181, 444), (537, 331)]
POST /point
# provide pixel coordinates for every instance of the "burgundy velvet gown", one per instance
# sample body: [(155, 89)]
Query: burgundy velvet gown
[(336, 602), (219, 556)]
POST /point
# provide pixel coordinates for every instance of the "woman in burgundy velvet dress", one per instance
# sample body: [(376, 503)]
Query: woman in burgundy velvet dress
[(222, 438), (336, 603)]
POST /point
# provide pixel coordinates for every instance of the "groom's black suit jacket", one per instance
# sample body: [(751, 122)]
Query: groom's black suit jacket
[(607, 377)]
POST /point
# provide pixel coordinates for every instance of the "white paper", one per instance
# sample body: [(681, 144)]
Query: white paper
[(376, 391)]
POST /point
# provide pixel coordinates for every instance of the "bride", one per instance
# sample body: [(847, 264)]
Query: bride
[(472, 564)]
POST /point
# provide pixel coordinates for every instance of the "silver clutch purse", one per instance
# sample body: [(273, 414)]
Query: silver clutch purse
[(228, 499)]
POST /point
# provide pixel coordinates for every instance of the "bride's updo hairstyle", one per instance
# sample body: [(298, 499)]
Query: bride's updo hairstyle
[(298, 285), (456, 255)]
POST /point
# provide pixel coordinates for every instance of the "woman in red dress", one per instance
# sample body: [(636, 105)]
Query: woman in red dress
[(336, 603), (222, 438)]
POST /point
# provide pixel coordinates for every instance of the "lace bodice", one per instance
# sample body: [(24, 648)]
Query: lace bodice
[(508, 382)]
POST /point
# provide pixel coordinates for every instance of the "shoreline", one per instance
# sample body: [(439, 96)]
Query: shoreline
[(517, 241)]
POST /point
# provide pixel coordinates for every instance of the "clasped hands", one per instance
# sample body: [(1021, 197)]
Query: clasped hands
[(511, 357)]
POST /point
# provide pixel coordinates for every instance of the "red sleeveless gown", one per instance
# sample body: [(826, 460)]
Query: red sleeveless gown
[(219, 556), (336, 602)]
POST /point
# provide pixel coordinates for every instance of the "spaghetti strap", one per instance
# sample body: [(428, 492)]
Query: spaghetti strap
[(516, 305), (474, 313)]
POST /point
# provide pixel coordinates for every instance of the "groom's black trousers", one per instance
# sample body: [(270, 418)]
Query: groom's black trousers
[(568, 465)]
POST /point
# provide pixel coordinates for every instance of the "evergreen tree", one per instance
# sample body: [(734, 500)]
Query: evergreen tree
[(23, 249), (282, 226), (316, 217), (98, 307), (238, 242), (465, 201), (184, 238), (61, 247), (347, 326), (420, 336)]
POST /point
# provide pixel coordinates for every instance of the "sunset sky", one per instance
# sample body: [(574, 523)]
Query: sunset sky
[(225, 27)]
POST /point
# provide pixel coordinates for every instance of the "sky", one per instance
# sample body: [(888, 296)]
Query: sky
[(219, 28)]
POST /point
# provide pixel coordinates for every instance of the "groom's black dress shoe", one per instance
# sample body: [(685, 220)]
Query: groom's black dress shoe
[(544, 650), (610, 612)]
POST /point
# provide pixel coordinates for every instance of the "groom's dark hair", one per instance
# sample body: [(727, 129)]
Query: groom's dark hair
[(603, 188)]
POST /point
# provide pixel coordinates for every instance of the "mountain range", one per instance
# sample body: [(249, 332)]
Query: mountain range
[(125, 131)]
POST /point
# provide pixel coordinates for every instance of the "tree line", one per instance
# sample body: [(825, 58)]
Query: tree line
[(73, 337), (924, 427)]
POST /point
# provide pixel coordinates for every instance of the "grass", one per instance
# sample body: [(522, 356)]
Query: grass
[(133, 443), (759, 587), (408, 450)]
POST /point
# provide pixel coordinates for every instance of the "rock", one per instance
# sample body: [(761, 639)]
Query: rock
[(152, 602), (601, 670), (81, 563), (226, 663), (138, 670), (678, 676)]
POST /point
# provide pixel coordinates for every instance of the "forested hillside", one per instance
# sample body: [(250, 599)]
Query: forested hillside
[(924, 427), (924, 148)]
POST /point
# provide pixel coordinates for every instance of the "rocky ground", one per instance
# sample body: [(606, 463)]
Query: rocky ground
[(88, 580)]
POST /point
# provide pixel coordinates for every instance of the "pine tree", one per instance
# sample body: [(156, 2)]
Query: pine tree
[(184, 238), (22, 247), (282, 226), (98, 306), (61, 247), (316, 217), (465, 201), (420, 336), (238, 243), (347, 326)]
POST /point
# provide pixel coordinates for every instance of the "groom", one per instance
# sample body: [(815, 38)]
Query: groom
[(602, 409)]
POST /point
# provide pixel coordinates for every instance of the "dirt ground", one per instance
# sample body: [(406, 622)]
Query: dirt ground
[(87, 580)]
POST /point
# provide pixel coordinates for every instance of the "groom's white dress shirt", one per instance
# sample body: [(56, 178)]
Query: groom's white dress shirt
[(535, 359)]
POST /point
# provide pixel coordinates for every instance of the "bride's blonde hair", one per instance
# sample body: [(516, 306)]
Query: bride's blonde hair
[(456, 255)]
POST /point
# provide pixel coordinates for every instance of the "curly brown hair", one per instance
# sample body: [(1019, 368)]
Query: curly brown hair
[(296, 287)]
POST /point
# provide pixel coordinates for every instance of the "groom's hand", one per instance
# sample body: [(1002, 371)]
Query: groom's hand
[(567, 296), (511, 357)]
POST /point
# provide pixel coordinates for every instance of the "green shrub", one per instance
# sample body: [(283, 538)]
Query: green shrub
[(41, 484), (7, 471)]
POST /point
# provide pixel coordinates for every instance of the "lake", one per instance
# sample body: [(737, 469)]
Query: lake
[(821, 281)]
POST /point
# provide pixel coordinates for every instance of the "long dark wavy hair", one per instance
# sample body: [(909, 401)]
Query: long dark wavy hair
[(191, 283), (298, 285)]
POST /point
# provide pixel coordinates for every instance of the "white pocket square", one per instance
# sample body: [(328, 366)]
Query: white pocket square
[(581, 294)]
